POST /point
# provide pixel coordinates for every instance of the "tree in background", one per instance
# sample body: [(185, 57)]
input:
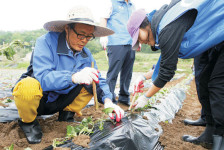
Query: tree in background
[(8, 49)]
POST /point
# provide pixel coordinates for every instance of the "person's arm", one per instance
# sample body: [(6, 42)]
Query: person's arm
[(148, 75), (107, 100), (106, 96), (170, 40), (138, 84), (106, 11)]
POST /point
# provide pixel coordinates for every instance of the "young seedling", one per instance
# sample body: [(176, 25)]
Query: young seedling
[(11, 147), (58, 141), (85, 127), (8, 100), (102, 120)]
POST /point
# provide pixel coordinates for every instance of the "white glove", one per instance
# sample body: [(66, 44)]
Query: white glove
[(104, 41), (138, 84), (85, 76), (119, 112), (141, 101)]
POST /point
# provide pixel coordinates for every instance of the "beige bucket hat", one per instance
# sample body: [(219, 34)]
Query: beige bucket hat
[(78, 14)]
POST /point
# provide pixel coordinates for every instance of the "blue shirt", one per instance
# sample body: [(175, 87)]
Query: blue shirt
[(117, 21), (54, 64)]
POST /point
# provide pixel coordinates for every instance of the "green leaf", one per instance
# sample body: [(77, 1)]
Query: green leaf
[(11, 147), (108, 110), (69, 129), (89, 119), (58, 141), (101, 125), (8, 100)]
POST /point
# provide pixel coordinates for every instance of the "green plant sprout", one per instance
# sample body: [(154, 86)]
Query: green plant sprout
[(58, 141), (85, 127), (11, 147), (102, 120), (8, 100)]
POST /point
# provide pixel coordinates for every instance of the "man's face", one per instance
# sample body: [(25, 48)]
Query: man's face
[(78, 37), (146, 36)]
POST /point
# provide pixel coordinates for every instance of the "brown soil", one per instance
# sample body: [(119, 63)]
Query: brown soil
[(10, 133), (172, 133)]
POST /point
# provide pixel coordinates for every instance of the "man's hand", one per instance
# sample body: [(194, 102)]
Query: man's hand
[(119, 112), (85, 76), (103, 42), (141, 102), (138, 84)]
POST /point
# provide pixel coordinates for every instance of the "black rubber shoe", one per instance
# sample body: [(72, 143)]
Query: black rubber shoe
[(218, 142), (205, 139), (199, 122), (67, 116), (197, 141), (32, 131)]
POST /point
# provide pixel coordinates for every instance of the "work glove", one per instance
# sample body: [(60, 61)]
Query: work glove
[(141, 101), (139, 47), (138, 84), (86, 76), (103, 42), (119, 112)]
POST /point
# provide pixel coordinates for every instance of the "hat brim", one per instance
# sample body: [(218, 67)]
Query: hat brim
[(59, 26), (135, 43)]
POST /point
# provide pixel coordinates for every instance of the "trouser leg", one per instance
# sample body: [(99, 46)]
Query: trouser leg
[(211, 96), (198, 69), (27, 94), (116, 57), (203, 86), (79, 102), (74, 101), (216, 90), (126, 74), (212, 89)]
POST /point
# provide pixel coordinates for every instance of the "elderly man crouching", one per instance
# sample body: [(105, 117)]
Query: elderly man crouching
[(59, 77)]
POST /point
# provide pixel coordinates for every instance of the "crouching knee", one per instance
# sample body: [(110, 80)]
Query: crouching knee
[(27, 94)]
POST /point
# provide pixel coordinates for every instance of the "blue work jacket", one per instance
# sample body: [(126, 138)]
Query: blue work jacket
[(54, 64)]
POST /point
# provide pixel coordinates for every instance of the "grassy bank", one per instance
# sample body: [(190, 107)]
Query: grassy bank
[(143, 62)]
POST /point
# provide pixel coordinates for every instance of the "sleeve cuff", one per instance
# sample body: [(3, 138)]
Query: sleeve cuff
[(159, 83), (68, 78), (107, 96)]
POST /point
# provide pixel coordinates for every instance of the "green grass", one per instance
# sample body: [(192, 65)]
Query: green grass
[(143, 62)]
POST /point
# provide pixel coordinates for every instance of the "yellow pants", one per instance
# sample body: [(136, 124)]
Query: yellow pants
[(79, 102), (28, 93)]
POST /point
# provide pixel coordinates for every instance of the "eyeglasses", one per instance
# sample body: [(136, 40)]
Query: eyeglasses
[(81, 36)]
